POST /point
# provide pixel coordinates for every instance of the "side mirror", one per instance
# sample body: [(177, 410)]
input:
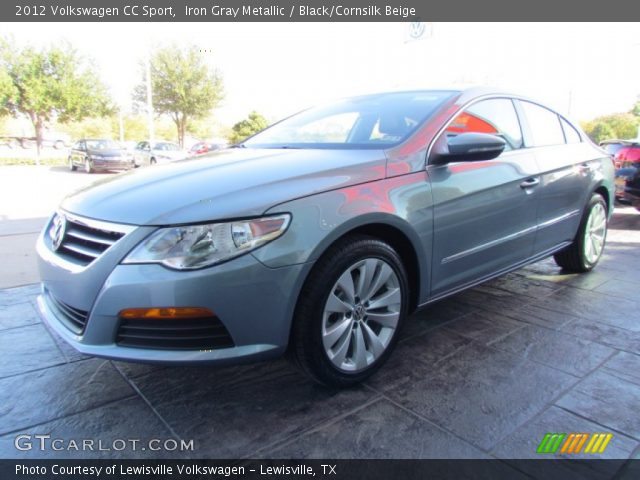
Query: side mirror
[(468, 147)]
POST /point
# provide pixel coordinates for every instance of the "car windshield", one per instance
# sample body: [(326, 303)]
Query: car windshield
[(103, 145), (169, 147), (373, 121)]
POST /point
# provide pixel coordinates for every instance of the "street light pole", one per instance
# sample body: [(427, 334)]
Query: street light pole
[(121, 124), (149, 98)]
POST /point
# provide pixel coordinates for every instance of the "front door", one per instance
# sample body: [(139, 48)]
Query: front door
[(484, 211)]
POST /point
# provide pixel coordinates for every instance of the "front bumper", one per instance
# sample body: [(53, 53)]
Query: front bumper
[(254, 302), (107, 165)]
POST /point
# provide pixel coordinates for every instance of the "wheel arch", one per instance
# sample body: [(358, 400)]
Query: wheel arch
[(387, 228), (397, 233), (606, 194)]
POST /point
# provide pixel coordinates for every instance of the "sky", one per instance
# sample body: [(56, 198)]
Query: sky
[(581, 69)]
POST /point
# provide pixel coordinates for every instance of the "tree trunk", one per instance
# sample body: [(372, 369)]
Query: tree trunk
[(182, 122), (37, 123), (39, 126)]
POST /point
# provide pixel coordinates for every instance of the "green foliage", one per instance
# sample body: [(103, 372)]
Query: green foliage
[(183, 86), (8, 93), (247, 127), (617, 125), (52, 83)]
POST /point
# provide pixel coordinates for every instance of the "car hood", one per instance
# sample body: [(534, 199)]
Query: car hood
[(233, 183)]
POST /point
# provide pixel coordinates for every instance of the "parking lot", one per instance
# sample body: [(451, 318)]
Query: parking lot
[(483, 374)]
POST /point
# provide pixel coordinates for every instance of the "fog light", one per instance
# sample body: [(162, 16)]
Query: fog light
[(166, 312)]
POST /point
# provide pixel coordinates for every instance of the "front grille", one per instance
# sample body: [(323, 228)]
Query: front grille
[(186, 334), (73, 318), (82, 244)]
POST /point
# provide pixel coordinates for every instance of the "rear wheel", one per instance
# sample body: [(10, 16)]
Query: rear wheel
[(587, 247), (350, 312)]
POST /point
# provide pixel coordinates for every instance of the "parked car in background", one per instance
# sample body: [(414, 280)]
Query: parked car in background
[(320, 234), (612, 146), (158, 152), (630, 177), (57, 141), (626, 160), (99, 155), (201, 148)]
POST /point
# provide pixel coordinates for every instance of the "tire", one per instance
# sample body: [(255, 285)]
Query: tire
[(88, 166), (339, 339), (72, 166), (587, 247), (152, 161)]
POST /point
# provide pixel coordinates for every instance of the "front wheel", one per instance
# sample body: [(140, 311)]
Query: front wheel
[(88, 165), (587, 247), (350, 312), (72, 165)]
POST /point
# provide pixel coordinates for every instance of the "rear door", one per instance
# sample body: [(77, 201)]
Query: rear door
[(566, 175), (484, 211)]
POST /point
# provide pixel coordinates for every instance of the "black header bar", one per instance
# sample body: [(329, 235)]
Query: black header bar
[(314, 10)]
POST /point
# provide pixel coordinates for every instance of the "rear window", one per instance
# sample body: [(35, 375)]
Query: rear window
[(544, 125), (571, 135)]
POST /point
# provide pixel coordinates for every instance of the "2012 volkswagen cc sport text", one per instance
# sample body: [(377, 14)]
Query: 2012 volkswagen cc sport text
[(319, 235)]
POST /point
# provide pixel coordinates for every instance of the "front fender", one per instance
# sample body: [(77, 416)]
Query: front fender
[(318, 221)]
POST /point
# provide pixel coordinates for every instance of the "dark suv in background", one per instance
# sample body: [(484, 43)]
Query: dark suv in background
[(626, 158)]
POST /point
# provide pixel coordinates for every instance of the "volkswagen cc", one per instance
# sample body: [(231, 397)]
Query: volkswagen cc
[(318, 236)]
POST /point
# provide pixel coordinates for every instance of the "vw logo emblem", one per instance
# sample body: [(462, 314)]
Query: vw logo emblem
[(416, 29), (57, 231)]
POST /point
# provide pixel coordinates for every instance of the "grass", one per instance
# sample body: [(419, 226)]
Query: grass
[(46, 161)]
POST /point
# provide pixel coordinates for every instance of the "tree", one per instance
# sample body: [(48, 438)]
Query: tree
[(183, 86), (617, 125), (52, 83), (247, 127)]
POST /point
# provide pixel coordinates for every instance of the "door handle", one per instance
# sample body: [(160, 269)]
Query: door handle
[(530, 183)]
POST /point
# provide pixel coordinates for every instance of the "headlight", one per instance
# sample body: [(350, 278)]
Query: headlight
[(197, 246)]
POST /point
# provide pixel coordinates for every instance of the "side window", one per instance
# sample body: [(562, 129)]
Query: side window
[(496, 116), (570, 133), (544, 125), (77, 146)]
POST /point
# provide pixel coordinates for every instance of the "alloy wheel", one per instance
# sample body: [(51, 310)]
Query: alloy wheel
[(361, 314), (594, 233)]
